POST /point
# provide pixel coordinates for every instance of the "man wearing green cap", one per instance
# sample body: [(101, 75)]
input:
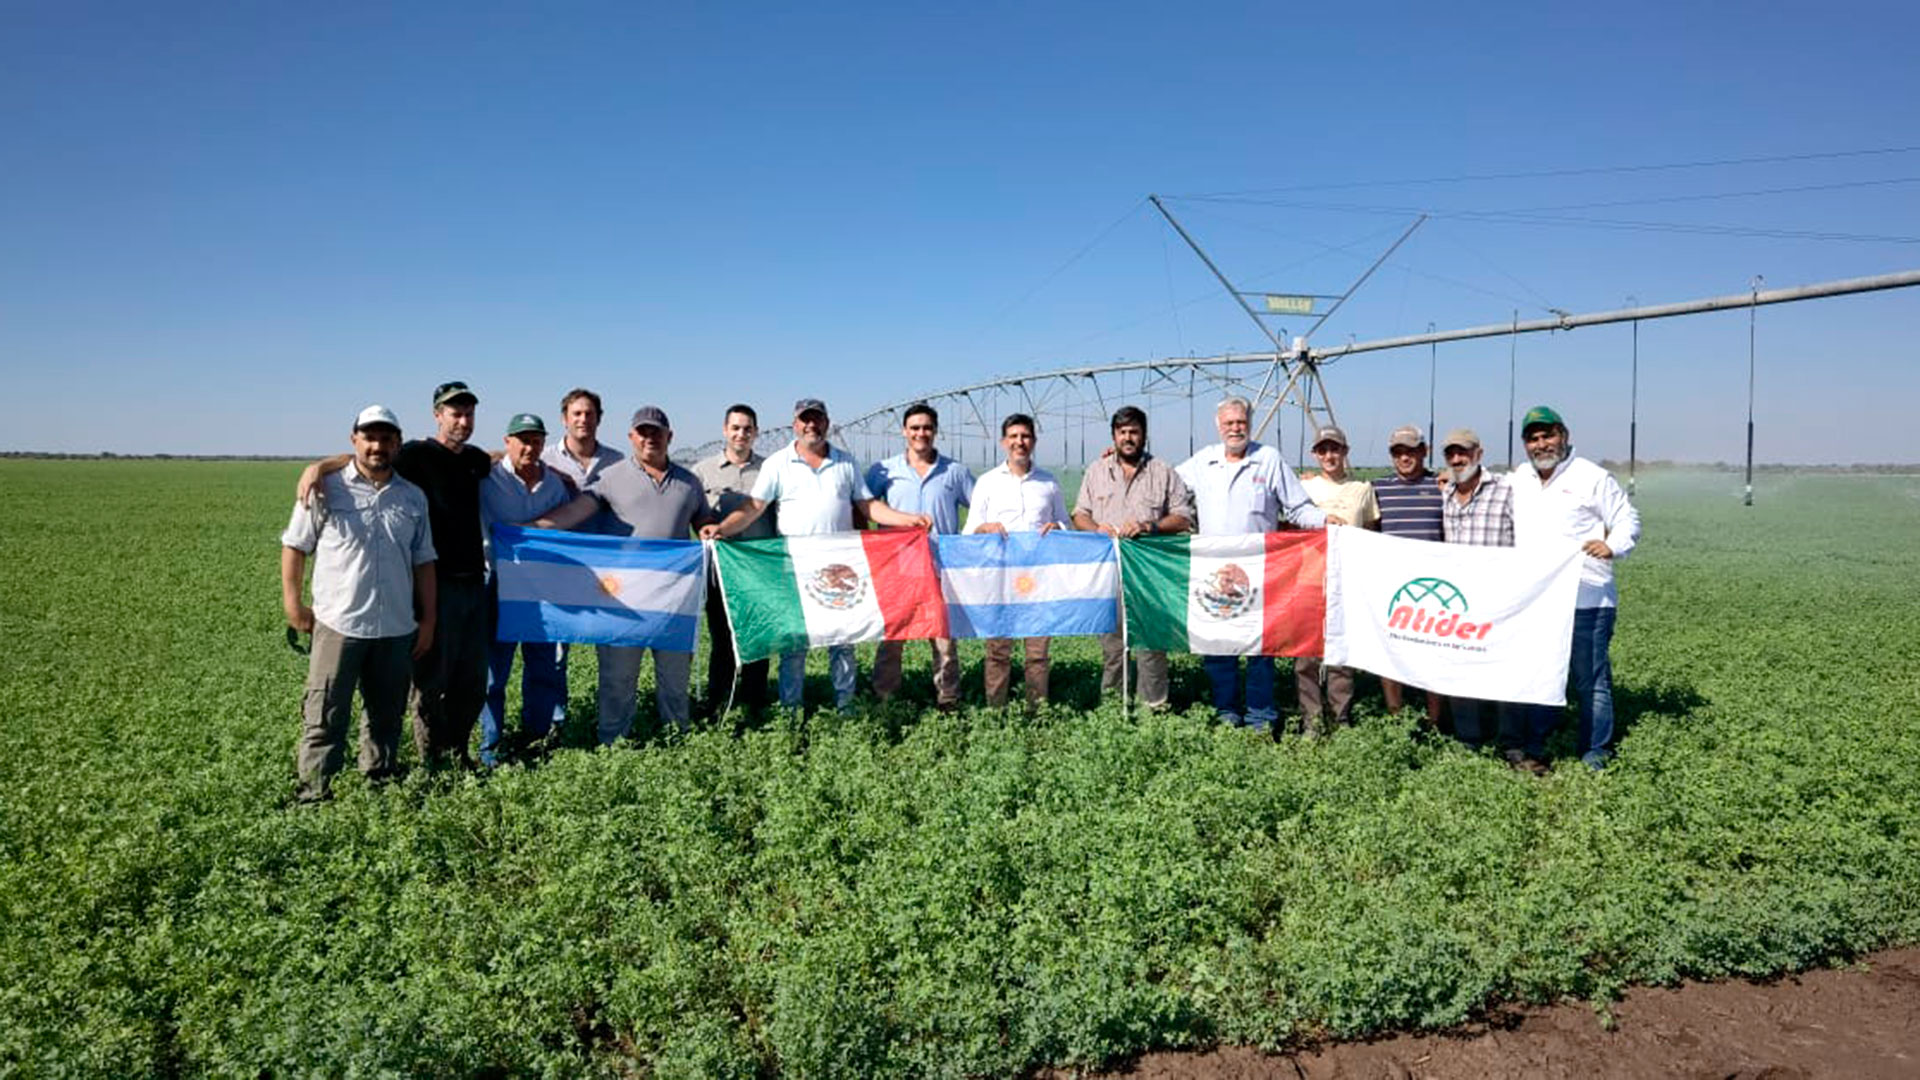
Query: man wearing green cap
[(521, 489), (1557, 499)]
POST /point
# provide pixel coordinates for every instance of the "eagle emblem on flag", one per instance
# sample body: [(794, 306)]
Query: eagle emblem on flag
[(837, 587)]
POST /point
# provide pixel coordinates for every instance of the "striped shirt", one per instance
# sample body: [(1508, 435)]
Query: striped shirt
[(1486, 518), (1409, 508)]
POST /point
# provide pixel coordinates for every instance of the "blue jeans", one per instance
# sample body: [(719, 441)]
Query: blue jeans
[(1590, 669), (793, 676), (1224, 673), (543, 692)]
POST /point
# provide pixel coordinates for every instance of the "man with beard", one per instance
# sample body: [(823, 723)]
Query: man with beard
[(1334, 490), (1016, 496), (1559, 498), (727, 479), (1241, 486), (1478, 510), (373, 567), (817, 487), (1409, 502), (922, 480), (450, 677), (1129, 492)]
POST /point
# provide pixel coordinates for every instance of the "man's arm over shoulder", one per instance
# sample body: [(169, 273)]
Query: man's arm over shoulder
[(311, 476)]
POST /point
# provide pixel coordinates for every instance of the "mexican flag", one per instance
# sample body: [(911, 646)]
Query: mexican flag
[(1261, 594), (797, 592)]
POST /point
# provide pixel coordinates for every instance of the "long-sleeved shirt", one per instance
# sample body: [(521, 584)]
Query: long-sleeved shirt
[(1579, 501), (1016, 503)]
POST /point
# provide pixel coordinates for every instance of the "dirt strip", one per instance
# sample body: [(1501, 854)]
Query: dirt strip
[(1850, 1023)]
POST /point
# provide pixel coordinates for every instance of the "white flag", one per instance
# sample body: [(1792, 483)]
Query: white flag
[(1482, 622)]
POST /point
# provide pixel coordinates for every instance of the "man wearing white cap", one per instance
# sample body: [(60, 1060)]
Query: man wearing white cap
[(1334, 490), (372, 544), (817, 487)]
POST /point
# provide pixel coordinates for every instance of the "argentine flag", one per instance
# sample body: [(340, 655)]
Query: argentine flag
[(598, 590), (1028, 584)]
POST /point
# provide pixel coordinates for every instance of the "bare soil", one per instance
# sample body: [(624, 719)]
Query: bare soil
[(1862, 1022)]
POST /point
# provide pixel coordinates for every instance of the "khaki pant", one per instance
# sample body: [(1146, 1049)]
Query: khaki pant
[(1150, 671), (998, 669), (378, 667), (1307, 671), (450, 681), (946, 670)]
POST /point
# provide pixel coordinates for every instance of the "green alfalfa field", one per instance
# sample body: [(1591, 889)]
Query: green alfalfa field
[(903, 892)]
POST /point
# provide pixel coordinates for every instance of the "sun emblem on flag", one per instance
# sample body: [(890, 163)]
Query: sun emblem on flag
[(1024, 584), (837, 587), (609, 584), (1225, 593)]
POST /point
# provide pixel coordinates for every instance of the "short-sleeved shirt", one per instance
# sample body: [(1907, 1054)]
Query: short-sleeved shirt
[(451, 481), (1351, 500), (1250, 495), (581, 472), (1410, 508), (365, 538), (1485, 519), (506, 499), (940, 494), (728, 486), (812, 501), (1016, 503), (1111, 499), (638, 505)]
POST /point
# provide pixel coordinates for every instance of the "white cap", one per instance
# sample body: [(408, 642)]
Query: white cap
[(376, 414)]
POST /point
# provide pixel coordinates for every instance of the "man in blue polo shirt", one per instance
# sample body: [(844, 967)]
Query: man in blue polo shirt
[(817, 487), (922, 480), (1411, 505)]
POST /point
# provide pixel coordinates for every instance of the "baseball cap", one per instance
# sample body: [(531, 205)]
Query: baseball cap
[(650, 416), (453, 391), (809, 404), (526, 422), (1330, 434), (1461, 436), (1406, 435), (1541, 414), (374, 415)]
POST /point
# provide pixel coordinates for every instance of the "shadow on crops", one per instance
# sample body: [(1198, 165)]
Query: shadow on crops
[(1660, 697)]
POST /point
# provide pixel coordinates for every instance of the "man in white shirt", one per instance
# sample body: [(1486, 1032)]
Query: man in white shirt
[(1017, 496), (1561, 499), (817, 486), (1240, 486)]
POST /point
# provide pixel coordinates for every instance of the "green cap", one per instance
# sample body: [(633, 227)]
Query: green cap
[(453, 391), (1541, 414), (525, 422)]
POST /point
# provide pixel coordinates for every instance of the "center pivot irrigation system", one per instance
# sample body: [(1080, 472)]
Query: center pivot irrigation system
[(1068, 402)]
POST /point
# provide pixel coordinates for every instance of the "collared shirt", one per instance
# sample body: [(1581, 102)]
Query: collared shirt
[(1112, 499), (638, 505), (451, 482), (1485, 519), (729, 485), (581, 471), (1250, 495), (1351, 500), (506, 499), (1409, 508), (1580, 501), (1016, 503), (940, 494), (812, 501), (366, 539)]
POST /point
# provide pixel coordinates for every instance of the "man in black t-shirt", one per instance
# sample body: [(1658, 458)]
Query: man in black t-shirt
[(450, 679)]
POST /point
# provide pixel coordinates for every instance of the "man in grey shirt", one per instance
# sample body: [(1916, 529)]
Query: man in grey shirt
[(373, 566), (646, 495), (727, 479), (581, 457)]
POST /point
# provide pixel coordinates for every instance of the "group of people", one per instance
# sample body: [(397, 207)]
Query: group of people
[(403, 600)]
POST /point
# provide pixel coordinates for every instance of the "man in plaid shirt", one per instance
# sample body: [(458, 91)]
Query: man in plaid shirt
[(1478, 509)]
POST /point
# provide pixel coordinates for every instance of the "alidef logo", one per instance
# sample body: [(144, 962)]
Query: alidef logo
[(1432, 607)]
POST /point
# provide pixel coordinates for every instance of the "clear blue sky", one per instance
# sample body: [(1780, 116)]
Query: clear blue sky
[(227, 226)]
